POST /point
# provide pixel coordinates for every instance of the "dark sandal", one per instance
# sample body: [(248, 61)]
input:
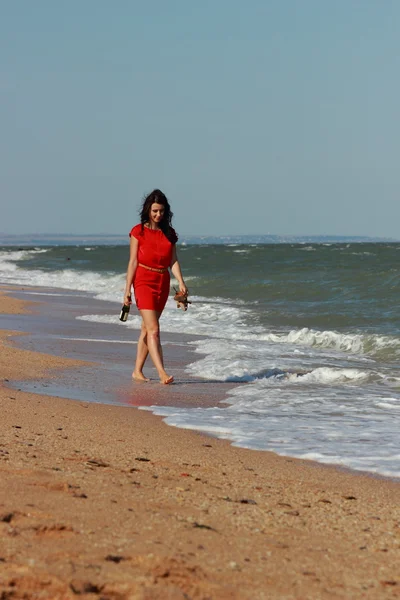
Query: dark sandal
[(181, 299)]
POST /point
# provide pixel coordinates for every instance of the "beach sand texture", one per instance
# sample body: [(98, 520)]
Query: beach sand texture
[(108, 502)]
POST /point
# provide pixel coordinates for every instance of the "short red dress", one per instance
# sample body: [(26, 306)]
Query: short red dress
[(154, 250)]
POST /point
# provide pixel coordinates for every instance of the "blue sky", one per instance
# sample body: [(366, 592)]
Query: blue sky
[(265, 116)]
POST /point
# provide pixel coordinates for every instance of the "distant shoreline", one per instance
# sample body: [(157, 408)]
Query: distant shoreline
[(110, 239)]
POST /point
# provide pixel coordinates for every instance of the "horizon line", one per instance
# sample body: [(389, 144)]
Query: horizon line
[(200, 235)]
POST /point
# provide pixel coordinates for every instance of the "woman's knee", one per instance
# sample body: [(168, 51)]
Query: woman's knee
[(153, 332), (150, 325)]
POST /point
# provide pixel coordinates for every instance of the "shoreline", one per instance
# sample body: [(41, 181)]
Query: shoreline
[(187, 392), (13, 306), (125, 506)]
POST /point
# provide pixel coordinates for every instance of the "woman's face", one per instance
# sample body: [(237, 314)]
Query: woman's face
[(156, 213)]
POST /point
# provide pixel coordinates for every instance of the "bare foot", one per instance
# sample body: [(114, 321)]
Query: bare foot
[(138, 376), (166, 379)]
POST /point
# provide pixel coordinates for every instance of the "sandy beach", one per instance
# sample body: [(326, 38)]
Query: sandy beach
[(108, 502)]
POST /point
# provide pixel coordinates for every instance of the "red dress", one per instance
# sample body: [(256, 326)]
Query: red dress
[(154, 250)]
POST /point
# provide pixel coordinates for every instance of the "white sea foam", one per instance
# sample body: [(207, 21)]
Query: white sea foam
[(352, 343), (332, 415), (104, 286), (297, 430), (304, 393), (35, 293), (7, 259), (329, 376), (98, 341), (219, 319), (70, 279)]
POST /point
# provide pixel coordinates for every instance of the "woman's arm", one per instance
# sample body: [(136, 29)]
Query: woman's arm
[(131, 270), (176, 271)]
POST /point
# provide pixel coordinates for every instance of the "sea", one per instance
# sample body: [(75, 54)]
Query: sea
[(306, 332)]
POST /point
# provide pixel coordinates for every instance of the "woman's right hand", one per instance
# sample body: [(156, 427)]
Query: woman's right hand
[(127, 299)]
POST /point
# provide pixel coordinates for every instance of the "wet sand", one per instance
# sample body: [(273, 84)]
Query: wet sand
[(99, 501)]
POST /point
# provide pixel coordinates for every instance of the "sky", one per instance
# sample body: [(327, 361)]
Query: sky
[(254, 117)]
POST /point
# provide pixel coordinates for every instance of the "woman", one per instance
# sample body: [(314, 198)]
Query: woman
[(152, 253)]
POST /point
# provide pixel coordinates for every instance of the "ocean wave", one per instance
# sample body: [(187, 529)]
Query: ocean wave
[(372, 345), (8, 260), (90, 282), (225, 323), (330, 376), (254, 362)]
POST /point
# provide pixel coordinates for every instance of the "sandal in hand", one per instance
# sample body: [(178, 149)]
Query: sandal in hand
[(181, 299)]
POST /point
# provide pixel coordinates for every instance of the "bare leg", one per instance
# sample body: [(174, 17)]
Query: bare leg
[(159, 340), (150, 320), (141, 355)]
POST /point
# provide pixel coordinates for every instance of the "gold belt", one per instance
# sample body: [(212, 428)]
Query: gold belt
[(153, 269)]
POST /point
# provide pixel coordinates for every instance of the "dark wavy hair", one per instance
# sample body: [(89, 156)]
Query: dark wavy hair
[(157, 197)]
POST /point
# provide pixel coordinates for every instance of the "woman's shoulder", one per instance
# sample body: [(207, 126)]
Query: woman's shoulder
[(136, 231)]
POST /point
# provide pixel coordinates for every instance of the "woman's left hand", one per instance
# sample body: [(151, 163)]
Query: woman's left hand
[(183, 289)]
